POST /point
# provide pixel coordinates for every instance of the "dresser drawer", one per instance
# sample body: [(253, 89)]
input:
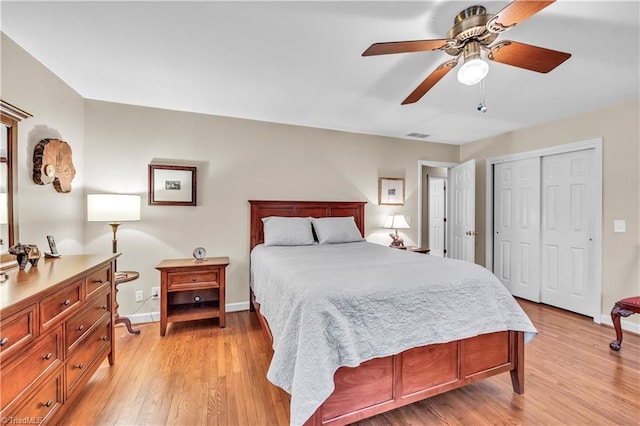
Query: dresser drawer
[(44, 403), (83, 321), (60, 304), (16, 331), (192, 280), (41, 357), (98, 280), (86, 354)]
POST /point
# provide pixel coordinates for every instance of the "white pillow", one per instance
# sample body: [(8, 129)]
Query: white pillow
[(287, 231), (332, 230)]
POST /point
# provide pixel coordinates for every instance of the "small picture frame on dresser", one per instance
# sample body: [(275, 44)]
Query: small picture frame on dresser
[(172, 185)]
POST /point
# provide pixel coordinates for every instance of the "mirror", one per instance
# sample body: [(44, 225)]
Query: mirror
[(10, 115)]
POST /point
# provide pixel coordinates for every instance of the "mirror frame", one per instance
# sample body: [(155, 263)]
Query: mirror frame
[(10, 116)]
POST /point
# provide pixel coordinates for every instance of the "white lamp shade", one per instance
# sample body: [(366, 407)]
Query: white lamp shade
[(396, 221), (113, 208), (473, 71), (4, 208)]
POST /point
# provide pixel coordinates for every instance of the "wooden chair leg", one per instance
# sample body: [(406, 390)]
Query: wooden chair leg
[(617, 312)]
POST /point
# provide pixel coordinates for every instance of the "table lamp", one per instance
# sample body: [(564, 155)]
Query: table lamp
[(114, 209), (396, 221)]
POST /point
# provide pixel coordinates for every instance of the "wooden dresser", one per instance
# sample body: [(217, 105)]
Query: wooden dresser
[(56, 328)]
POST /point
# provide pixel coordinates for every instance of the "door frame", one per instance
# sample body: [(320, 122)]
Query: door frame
[(596, 145), (428, 163)]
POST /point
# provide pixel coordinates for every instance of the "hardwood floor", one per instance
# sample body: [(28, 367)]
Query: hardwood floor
[(200, 374)]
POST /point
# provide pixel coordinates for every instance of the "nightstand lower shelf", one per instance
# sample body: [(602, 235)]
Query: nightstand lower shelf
[(193, 311)]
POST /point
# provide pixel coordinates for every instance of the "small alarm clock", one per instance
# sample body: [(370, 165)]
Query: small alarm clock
[(199, 253)]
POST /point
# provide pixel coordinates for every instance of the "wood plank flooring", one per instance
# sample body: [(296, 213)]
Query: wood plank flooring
[(199, 374)]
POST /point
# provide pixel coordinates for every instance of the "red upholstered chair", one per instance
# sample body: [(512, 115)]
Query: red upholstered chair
[(623, 308)]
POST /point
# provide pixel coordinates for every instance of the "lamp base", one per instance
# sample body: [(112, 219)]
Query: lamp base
[(396, 242)]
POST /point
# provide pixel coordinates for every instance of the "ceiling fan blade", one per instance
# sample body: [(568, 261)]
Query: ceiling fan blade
[(514, 13), (404, 47), (430, 81), (526, 56)]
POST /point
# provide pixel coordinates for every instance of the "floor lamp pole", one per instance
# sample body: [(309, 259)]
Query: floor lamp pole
[(114, 243)]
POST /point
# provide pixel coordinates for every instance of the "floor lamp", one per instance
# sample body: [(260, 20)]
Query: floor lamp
[(114, 209)]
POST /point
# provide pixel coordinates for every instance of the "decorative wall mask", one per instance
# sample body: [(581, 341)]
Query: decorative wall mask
[(52, 162)]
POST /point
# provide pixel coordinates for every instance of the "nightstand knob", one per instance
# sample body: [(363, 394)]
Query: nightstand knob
[(104, 338), (4, 341), (80, 327), (66, 302), (47, 356), (197, 299), (48, 403), (105, 307), (100, 281), (194, 279), (80, 366)]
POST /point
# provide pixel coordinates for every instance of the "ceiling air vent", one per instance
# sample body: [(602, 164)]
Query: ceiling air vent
[(418, 135)]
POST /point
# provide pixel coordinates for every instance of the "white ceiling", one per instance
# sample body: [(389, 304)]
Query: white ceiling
[(300, 62)]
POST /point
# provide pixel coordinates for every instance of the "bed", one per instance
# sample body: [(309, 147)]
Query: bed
[(312, 341)]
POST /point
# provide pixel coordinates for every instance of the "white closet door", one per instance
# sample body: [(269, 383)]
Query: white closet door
[(568, 225), (462, 217), (436, 215), (516, 230)]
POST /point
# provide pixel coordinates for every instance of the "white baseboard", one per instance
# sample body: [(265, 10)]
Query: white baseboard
[(155, 316), (626, 324)]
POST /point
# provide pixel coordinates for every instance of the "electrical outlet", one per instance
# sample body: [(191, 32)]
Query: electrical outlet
[(139, 296), (155, 293)]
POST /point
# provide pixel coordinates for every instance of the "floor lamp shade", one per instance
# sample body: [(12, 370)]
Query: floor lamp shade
[(113, 208)]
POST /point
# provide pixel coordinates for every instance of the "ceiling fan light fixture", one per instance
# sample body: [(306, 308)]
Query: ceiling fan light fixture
[(473, 71)]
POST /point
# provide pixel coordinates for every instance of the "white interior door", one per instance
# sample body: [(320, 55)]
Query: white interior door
[(516, 229), (437, 223), (462, 217), (568, 230)]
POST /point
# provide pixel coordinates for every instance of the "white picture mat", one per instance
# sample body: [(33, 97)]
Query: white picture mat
[(160, 191), (392, 191)]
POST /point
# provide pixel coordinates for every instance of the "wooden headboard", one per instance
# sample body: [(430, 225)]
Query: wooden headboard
[(260, 209)]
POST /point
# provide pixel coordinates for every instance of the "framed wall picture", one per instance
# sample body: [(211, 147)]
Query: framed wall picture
[(391, 191), (172, 185)]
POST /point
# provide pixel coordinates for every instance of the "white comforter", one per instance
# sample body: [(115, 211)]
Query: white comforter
[(341, 304)]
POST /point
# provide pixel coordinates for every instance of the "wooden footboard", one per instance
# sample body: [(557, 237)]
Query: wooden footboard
[(382, 384)]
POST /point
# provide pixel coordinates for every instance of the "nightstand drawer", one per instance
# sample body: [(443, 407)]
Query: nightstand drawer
[(16, 331), (59, 304), (82, 322), (195, 279), (41, 357), (97, 280)]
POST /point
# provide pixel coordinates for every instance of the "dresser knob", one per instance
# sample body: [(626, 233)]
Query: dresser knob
[(47, 356), (4, 341), (80, 366), (100, 281), (104, 338), (48, 403), (80, 327), (66, 302), (194, 279), (105, 307)]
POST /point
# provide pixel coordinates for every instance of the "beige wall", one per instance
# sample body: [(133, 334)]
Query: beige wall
[(619, 128), (58, 112), (237, 160)]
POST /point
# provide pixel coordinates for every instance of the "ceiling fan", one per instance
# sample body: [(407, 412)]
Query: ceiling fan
[(474, 30)]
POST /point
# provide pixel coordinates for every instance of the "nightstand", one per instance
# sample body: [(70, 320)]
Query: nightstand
[(191, 290)]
